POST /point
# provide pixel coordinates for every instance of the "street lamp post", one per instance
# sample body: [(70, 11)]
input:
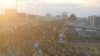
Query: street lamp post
[(29, 6), (1, 10), (16, 4)]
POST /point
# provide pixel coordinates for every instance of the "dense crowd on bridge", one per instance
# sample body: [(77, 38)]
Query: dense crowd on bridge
[(19, 40)]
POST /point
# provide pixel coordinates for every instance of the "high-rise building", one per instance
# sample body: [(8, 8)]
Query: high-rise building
[(98, 21), (94, 20)]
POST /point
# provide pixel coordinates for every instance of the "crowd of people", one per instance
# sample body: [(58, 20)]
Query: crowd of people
[(19, 40)]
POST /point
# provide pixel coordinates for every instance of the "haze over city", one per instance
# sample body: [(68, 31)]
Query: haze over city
[(49, 27), (82, 8)]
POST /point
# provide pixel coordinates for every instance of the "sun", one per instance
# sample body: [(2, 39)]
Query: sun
[(8, 3)]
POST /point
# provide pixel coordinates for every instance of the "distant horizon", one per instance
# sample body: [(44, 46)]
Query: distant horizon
[(78, 7)]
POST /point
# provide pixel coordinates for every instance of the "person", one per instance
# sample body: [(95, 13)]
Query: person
[(61, 38), (36, 44)]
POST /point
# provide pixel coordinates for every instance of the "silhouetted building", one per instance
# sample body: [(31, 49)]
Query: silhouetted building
[(98, 21), (64, 15), (82, 20), (72, 17), (22, 15), (32, 16), (94, 20), (48, 16), (10, 13), (58, 17)]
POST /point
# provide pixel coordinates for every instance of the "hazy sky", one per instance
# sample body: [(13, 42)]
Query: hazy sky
[(78, 7)]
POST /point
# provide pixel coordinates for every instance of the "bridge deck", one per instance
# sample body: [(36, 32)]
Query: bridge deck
[(85, 26)]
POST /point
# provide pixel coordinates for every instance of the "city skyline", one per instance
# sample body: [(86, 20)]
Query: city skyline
[(78, 7)]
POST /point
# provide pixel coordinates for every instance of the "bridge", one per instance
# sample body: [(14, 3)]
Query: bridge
[(84, 26), (84, 44)]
